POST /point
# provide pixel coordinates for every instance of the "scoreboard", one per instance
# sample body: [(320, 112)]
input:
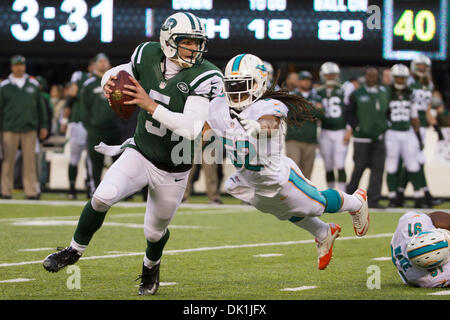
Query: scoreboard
[(272, 29)]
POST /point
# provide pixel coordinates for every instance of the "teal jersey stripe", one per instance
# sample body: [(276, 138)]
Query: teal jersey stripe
[(427, 249), (237, 63), (403, 276), (309, 190)]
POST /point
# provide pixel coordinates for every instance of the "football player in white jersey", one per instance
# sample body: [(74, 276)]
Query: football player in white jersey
[(336, 133), (420, 249), (249, 119)]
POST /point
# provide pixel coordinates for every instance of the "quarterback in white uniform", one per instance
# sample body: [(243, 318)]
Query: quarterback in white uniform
[(249, 120), (420, 249)]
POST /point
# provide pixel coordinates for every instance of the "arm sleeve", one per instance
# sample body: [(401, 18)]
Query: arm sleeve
[(188, 124), (210, 86)]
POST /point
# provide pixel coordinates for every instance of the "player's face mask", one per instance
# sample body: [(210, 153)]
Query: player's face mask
[(399, 83), (238, 92), (189, 50)]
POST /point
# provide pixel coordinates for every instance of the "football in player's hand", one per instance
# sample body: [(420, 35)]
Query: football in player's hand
[(117, 97)]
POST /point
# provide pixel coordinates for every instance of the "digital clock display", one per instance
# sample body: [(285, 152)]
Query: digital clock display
[(273, 29)]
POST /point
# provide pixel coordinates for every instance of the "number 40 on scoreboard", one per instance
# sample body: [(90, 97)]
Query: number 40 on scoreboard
[(411, 27)]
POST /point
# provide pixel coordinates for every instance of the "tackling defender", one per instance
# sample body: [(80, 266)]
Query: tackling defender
[(249, 120), (420, 249), (173, 85)]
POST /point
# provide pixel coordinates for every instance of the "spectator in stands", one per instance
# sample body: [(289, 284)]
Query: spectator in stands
[(22, 116), (366, 113)]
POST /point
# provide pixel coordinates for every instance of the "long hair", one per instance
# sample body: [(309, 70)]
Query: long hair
[(300, 109)]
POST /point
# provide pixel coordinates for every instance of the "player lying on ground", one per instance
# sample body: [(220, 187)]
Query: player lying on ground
[(249, 120), (174, 90), (420, 249)]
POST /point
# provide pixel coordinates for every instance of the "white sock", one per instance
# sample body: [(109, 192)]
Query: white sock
[(149, 263), (341, 186), (350, 203), (79, 247), (315, 226)]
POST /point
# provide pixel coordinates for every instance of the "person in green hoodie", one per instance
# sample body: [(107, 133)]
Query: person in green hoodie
[(367, 114), (98, 118), (23, 118)]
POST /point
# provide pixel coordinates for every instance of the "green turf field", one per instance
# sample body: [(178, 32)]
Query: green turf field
[(220, 253)]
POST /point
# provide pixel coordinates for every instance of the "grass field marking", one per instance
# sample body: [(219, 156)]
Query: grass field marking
[(16, 280), (299, 288), (163, 284), (35, 249), (382, 259), (122, 204), (440, 293), (46, 223), (268, 255), (254, 245), (132, 214)]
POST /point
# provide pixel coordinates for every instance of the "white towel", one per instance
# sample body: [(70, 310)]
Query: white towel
[(113, 150)]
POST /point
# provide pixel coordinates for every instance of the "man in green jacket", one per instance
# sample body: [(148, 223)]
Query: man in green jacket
[(366, 113), (98, 118), (22, 115)]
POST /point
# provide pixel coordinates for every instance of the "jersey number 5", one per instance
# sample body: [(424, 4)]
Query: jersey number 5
[(149, 126)]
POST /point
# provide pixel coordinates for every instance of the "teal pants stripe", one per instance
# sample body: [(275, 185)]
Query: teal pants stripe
[(310, 191)]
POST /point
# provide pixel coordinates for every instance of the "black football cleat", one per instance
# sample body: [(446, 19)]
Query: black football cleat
[(58, 260), (149, 280)]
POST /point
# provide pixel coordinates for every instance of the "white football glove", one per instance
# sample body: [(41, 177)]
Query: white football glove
[(252, 127), (446, 234)]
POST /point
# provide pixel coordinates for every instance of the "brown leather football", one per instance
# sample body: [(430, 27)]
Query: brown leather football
[(117, 97)]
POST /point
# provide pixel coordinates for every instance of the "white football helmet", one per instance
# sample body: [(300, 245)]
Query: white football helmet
[(270, 71), (177, 27), (429, 249), (330, 68), (418, 60), (245, 74), (402, 71)]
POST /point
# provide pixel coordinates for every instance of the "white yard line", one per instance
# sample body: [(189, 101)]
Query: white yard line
[(382, 259), (254, 245), (134, 214), (268, 255), (16, 280), (299, 288), (123, 204), (440, 293), (46, 223), (35, 249)]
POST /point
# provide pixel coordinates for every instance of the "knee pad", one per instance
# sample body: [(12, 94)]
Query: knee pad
[(334, 200), (104, 197), (153, 234)]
